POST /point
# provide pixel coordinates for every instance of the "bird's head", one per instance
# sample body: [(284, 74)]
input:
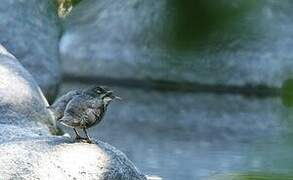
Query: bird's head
[(108, 97), (97, 91), (101, 92)]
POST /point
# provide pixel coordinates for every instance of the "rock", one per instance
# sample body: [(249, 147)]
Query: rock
[(56, 158), (27, 148), (29, 29), (21, 100), (239, 43)]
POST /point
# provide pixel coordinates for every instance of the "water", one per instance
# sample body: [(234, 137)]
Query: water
[(180, 135), (188, 135)]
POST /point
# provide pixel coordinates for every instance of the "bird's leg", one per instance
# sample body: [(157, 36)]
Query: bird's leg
[(88, 138), (77, 137)]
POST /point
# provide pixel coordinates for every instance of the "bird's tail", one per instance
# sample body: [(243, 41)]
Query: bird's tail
[(53, 111), (64, 120), (67, 121)]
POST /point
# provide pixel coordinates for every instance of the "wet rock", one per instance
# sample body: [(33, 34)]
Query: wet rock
[(29, 30), (27, 148), (239, 43)]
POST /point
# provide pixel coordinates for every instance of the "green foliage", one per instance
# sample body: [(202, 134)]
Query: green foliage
[(287, 93), (193, 20), (253, 176)]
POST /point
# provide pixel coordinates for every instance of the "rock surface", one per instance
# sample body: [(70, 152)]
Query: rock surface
[(29, 30), (239, 43), (21, 100), (29, 151), (56, 158)]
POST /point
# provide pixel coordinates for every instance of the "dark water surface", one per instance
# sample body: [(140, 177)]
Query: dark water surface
[(175, 135)]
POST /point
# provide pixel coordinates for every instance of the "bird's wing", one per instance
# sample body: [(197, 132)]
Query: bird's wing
[(76, 105), (93, 110), (66, 98), (83, 110), (69, 121), (75, 110), (60, 104)]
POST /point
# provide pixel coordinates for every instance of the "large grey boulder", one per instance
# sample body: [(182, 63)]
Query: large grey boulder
[(29, 29), (56, 158), (22, 103), (27, 148), (239, 43)]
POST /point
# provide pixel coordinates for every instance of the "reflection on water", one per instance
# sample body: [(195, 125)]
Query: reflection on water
[(252, 176), (199, 136)]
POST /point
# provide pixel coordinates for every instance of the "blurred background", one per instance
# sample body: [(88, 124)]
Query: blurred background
[(206, 85)]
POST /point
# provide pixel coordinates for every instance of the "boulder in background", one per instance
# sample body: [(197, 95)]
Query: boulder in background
[(30, 30)]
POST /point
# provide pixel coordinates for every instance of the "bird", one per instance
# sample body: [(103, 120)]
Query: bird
[(58, 107), (82, 109)]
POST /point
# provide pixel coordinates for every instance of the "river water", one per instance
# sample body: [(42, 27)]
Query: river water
[(185, 135), (238, 46)]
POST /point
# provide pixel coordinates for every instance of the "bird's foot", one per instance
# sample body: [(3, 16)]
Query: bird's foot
[(89, 141), (78, 138), (82, 139)]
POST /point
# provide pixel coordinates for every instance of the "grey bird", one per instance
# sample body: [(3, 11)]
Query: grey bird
[(58, 107), (83, 109)]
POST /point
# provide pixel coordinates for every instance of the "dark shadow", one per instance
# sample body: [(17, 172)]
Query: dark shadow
[(193, 20), (247, 90)]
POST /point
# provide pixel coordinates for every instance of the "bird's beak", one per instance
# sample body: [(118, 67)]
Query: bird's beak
[(117, 97), (109, 94)]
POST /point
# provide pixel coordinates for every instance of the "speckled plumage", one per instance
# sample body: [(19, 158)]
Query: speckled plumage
[(82, 108), (83, 112)]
